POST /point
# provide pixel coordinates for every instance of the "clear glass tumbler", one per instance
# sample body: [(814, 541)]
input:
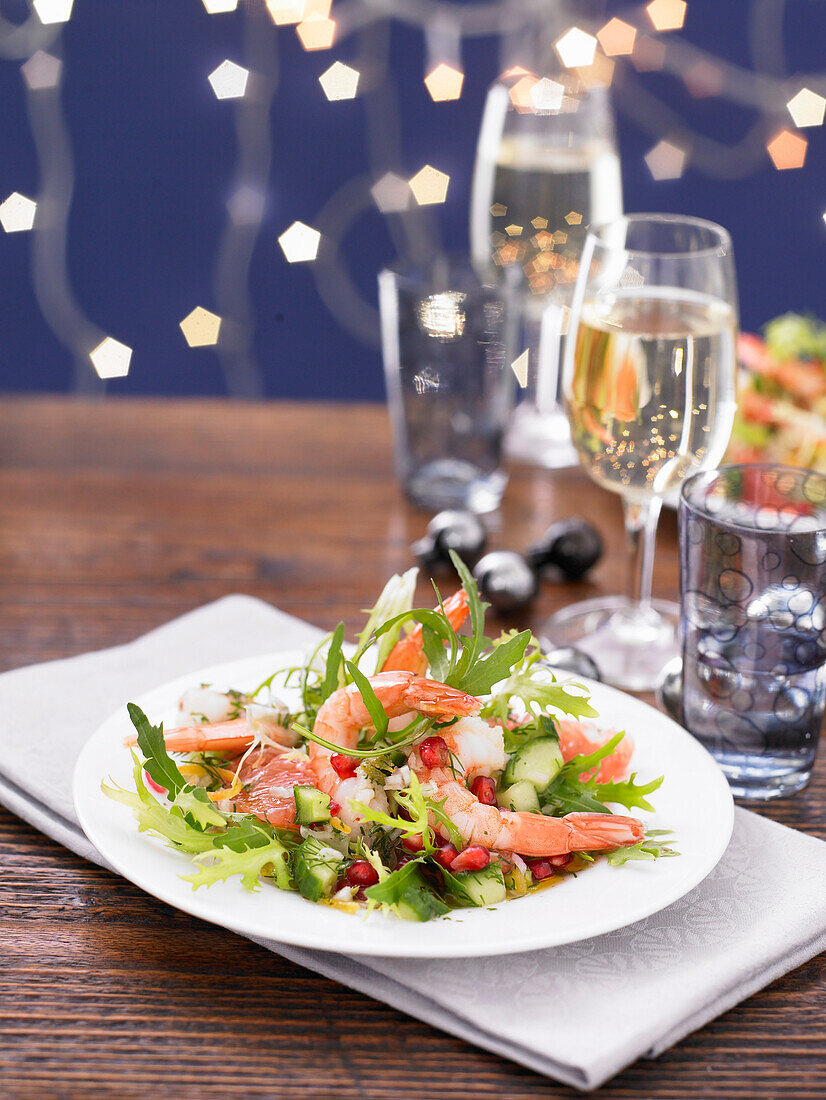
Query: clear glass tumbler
[(753, 622), (450, 387)]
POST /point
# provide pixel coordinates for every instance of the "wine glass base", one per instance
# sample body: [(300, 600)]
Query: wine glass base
[(629, 653), (540, 439)]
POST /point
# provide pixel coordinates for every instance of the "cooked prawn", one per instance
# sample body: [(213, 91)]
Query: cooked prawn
[(506, 830), (232, 737), (407, 655), (574, 738), (344, 714)]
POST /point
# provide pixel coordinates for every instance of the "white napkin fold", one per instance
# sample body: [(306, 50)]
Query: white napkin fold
[(578, 1013)]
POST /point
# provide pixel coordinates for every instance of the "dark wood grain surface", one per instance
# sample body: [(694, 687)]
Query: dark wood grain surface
[(115, 517)]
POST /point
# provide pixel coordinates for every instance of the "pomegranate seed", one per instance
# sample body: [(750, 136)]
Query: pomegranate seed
[(404, 859), (541, 868), (362, 873), (561, 861), (335, 809), (484, 789), (343, 766), (152, 785), (445, 855), (474, 858), (413, 843), (433, 752)]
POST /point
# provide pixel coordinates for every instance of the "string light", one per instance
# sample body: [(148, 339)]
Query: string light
[(444, 82), (300, 243), (617, 37), (787, 150), (807, 108), (42, 71), (666, 161), (576, 48), (229, 81), (53, 11), (17, 213), (339, 81), (667, 15), (546, 95), (111, 358), (201, 328), (429, 186)]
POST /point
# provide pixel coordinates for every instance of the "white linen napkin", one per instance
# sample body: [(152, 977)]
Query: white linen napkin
[(627, 994)]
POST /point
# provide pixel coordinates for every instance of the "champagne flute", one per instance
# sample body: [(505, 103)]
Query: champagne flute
[(546, 168), (649, 389)]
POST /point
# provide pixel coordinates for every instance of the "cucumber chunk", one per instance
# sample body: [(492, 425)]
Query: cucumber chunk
[(537, 762), (520, 796), (486, 887), (419, 903), (316, 869), (312, 806)]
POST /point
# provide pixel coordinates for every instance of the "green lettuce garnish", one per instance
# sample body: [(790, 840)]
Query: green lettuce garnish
[(651, 847)]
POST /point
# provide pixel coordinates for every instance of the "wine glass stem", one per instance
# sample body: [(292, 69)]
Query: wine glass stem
[(641, 519)]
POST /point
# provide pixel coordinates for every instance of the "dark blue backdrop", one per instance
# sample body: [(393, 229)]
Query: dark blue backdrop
[(154, 153)]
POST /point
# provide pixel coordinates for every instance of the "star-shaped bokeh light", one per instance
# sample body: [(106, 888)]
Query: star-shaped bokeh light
[(201, 328), (391, 193), (300, 243), (520, 94), (576, 48), (807, 108), (284, 12), (215, 7), (546, 95), (42, 71), (787, 150), (520, 367), (229, 81), (429, 186), (666, 161), (667, 15), (498, 210), (617, 37), (317, 32), (444, 82), (111, 358), (573, 218), (339, 81), (17, 213), (53, 11)]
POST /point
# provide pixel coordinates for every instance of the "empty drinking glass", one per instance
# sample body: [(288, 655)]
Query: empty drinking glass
[(753, 622), (450, 387)]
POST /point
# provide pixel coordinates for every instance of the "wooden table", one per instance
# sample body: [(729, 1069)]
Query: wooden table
[(115, 517)]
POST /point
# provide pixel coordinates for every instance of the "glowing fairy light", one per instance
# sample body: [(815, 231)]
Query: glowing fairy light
[(520, 94), (546, 95), (317, 32), (787, 150), (300, 243), (444, 82), (391, 193), (576, 48), (17, 213), (498, 210), (539, 223), (215, 7), (53, 11), (520, 367), (339, 81), (229, 81), (42, 71), (513, 230), (666, 161), (201, 328), (111, 358), (617, 37), (573, 218), (285, 12), (440, 315), (667, 15), (807, 108), (429, 186)]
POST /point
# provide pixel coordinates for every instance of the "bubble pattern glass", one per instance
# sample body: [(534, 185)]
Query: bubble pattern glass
[(753, 622)]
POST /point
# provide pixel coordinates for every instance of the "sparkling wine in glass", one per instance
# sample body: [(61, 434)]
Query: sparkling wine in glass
[(649, 389)]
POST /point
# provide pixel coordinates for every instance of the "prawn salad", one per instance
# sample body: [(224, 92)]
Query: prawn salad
[(431, 770)]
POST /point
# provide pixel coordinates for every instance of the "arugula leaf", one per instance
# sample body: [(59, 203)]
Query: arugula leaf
[(567, 793), (157, 761), (435, 652), (651, 847), (470, 648), (332, 681), (407, 887), (629, 793), (370, 699), (495, 665)]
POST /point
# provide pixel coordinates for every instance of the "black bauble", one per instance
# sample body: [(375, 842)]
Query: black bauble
[(573, 660), (572, 546), (451, 530), (505, 580)]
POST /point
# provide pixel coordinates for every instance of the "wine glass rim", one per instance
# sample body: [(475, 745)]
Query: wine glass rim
[(691, 485), (723, 235)]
